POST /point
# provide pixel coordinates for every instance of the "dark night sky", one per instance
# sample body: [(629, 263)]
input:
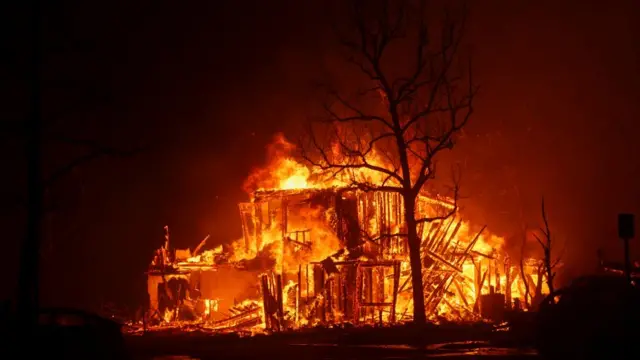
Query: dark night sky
[(205, 86)]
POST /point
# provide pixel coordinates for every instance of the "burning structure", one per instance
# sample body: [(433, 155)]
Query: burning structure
[(316, 252)]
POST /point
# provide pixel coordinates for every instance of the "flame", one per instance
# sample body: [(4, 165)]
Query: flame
[(284, 172), (294, 182), (291, 239)]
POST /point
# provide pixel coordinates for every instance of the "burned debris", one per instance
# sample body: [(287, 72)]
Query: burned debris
[(321, 256)]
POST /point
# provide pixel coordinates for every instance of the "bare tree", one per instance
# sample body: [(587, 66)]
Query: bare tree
[(523, 248), (523, 274), (412, 101), (547, 245), (36, 134)]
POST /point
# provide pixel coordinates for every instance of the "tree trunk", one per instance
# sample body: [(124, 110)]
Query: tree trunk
[(419, 316), (549, 267), (523, 276), (28, 284)]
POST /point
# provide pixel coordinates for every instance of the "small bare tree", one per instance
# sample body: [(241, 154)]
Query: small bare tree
[(523, 245), (546, 243), (412, 101), (523, 274)]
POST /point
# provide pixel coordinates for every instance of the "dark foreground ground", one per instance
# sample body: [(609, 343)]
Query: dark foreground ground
[(371, 352), (456, 342)]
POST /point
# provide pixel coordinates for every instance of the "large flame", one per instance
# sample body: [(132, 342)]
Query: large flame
[(284, 172), (484, 269)]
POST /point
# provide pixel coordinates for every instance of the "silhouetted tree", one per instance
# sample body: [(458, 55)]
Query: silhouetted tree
[(547, 245), (413, 100), (523, 246), (523, 274), (38, 182)]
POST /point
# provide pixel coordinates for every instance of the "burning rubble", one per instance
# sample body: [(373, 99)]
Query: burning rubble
[(320, 251)]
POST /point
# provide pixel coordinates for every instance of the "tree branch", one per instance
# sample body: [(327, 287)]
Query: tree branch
[(327, 164), (359, 114), (451, 212), (95, 150)]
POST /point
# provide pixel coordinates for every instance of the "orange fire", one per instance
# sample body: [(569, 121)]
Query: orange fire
[(295, 235), (284, 172)]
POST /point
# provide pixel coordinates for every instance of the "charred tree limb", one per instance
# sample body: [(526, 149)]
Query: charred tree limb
[(523, 275), (452, 210), (546, 245), (95, 150)]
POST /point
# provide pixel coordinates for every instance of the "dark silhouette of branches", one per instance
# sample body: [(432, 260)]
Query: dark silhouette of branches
[(546, 244), (523, 274), (396, 122), (93, 150), (28, 298)]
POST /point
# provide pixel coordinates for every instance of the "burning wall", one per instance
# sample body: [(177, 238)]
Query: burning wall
[(317, 251)]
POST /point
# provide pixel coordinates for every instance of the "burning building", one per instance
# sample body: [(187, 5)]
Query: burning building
[(327, 252)]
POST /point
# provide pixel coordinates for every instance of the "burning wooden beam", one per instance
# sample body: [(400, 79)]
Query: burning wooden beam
[(478, 253), (472, 244), (441, 238), (461, 293), (247, 317), (443, 284), (434, 234), (444, 262), (245, 213), (451, 237), (200, 245)]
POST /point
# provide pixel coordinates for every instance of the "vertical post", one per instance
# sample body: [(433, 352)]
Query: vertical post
[(265, 302), (626, 232), (627, 260), (298, 293), (358, 294), (339, 228), (369, 297), (345, 294), (396, 280), (329, 297), (319, 289), (166, 237), (507, 290), (245, 229), (257, 210), (284, 232), (338, 292), (279, 299), (489, 273)]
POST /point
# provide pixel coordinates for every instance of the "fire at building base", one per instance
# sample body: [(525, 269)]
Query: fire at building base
[(319, 256)]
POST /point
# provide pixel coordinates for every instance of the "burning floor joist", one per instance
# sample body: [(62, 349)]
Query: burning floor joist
[(333, 255)]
